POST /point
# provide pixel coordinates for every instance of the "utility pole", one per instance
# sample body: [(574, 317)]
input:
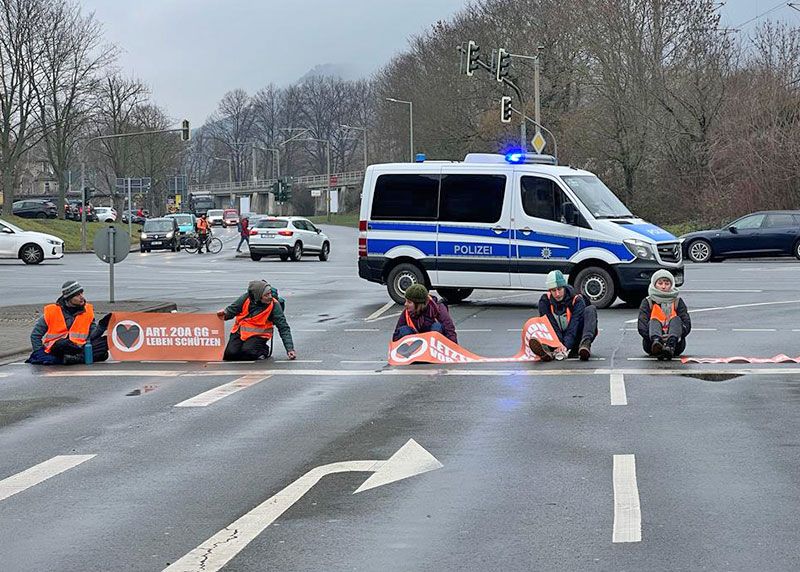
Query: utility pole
[(410, 122)]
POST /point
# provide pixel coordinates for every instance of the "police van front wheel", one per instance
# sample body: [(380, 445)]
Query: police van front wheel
[(454, 295), (596, 284), (400, 278)]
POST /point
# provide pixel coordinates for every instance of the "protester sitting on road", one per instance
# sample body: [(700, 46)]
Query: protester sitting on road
[(244, 234), (256, 312), (572, 318), (664, 320), (60, 334), (202, 232), (424, 313)]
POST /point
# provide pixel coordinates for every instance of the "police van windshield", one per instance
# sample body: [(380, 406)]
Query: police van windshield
[(597, 197)]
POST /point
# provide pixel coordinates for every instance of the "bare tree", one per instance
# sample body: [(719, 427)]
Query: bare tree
[(232, 128)]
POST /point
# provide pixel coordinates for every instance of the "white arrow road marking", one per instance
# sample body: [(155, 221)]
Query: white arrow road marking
[(411, 459), (618, 396), (39, 473), (627, 513), (213, 395), (379, 312)]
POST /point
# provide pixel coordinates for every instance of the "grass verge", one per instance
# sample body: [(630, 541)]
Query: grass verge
[(69, 231), (337, 219)]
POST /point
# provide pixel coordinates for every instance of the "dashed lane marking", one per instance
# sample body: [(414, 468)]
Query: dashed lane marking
[(39, 473), (380, 311), (627, 512), (754, 330), (617, 389), (213, 395), (362, 330)]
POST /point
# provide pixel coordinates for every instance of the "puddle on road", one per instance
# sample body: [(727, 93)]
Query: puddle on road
[(146, 389), (14, 410), (712, 376)]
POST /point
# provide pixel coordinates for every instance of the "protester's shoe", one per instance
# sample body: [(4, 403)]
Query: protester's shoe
[(262, 357), (541, 350), (561, 355), (585, 350), (656, 347), (669, 348)]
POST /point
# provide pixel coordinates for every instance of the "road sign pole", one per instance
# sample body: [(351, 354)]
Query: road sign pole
[(83, 210), (112, 256), (130, 209)]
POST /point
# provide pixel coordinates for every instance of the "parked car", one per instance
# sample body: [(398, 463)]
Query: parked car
[(288, 237), (34, 208), (215, 216), (230, 217), (160, 233), (30, 247), (137, 219), (767, 233), (106, 214)]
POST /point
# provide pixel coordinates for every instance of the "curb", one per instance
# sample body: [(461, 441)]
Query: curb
[(163, 308)]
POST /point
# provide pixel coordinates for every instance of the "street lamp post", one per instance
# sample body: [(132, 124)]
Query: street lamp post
[(230, 167), (328, 161), (410, 122), (364, 129)]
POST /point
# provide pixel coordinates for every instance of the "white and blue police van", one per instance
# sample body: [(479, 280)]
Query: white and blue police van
[(503, 222)]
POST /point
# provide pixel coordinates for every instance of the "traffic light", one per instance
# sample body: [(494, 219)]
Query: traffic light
[(287, 190), (505, 109), (276, 190), (186, 133), (473, 55), (503, 60)]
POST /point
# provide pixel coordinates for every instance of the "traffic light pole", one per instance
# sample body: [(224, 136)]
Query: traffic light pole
[(542, 127)]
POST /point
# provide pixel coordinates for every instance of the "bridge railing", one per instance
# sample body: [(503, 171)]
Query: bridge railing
[(315, 181)]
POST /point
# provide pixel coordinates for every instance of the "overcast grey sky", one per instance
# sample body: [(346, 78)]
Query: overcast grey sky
[(190, 52)]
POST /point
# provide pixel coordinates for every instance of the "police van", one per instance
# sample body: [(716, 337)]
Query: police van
[(503, 222)]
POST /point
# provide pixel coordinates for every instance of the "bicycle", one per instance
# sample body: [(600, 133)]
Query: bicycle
[(212, 244)]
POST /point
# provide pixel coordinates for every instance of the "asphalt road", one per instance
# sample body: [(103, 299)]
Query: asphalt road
[(533, 457)]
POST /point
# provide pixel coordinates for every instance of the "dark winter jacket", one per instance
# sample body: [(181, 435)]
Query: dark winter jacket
[(646, 308), (277, 316), (549, 307), (40, 327), (435, 311)]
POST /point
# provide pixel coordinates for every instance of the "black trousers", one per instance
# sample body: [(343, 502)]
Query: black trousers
[(589, 331), (65, 347), (680, 346), (247, 350)]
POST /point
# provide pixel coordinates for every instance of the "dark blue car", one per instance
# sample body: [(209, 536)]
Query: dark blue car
[(767, 233)]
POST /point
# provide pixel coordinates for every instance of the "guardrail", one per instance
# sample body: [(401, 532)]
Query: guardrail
[(312, 181)]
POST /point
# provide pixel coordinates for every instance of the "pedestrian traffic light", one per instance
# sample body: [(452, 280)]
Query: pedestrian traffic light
[(287, 190), (503, 61), (473, 56), (186, 133), (505, 109), (276, 190)]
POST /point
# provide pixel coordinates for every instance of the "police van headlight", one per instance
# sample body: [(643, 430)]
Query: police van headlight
[(640, 249)]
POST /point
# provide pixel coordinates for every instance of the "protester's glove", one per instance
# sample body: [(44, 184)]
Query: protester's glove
[(65, 346), (291, 354), (221, 314)]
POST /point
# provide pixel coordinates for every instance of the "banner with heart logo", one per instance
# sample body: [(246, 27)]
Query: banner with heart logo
[(433, 347), (137, 336)]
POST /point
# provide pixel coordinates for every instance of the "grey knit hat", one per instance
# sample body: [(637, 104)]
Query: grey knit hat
[(70, 288), (256, 288), (659, 274)]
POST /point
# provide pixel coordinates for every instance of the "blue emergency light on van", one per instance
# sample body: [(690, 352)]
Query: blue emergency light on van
[(503, 222)]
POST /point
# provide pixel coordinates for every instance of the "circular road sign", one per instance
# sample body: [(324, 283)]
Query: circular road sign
[(122, 244)]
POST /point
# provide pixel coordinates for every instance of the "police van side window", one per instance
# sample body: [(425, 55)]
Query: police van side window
[(406, 197), (541, 198), (472, 198)]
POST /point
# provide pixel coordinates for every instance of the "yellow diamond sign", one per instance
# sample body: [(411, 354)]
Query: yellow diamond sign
[(538, 142)]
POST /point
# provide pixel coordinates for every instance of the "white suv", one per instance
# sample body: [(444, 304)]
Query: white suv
[(214, 217), (31, 247), (288, 237)]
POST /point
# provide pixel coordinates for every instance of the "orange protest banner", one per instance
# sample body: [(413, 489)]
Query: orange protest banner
[(137, 336), (432, 347)]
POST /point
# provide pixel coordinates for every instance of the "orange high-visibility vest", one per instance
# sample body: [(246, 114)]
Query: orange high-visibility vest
[(569, 312), (259, 325), (78, 333), (202, 225), (656, 313)]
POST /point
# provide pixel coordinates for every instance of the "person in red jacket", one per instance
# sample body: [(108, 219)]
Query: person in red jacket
[(424, 313)]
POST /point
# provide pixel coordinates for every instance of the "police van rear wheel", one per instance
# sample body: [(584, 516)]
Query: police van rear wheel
[(596, 284), (400, 278), (454, 295)]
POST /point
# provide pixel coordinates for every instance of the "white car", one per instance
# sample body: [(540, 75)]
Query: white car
[(105, 214), (288, 237), (214, 217), (31, 247)]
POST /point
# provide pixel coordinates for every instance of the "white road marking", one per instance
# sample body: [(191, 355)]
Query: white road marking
[(115, 373), (734, 307), (460, 330), (411, 459), (213, 395), (39, 473), (753, 330), (627, 512), (362, 361), (6, 374), (641, 358), (723, 291), (704, 329), (362, 330), (514, 330), (617, 387), (380, 311)]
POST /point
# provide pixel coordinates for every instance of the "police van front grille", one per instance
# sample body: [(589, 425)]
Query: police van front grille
[(670, 252)]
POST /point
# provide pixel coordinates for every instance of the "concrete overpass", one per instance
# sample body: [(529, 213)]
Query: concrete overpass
[(261, 199)]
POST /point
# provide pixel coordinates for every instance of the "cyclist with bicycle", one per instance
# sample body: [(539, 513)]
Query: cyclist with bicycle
[(203, 229)]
